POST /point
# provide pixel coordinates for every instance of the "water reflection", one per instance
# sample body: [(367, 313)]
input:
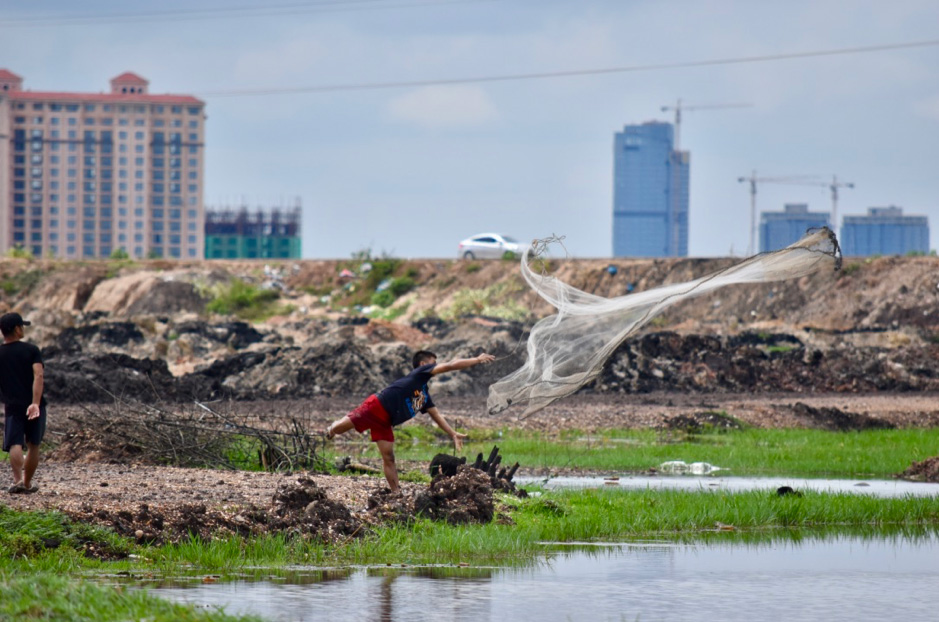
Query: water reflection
[(780, 575)]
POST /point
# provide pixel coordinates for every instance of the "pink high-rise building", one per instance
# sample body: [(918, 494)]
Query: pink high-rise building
[(83, 175)]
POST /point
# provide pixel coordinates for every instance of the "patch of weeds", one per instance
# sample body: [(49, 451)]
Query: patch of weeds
[(30, 533), (19, 252), (396, 288), (381, 269), (658, 321), (493, 301), (549, 507), (473, 267), (780, 349), (21, 282), (318, 290), (245, 300), (391, 314), (850, 269), (703, 423), (445, 283)]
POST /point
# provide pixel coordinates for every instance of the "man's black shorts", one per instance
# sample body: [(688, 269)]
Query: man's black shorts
[(18, 430)]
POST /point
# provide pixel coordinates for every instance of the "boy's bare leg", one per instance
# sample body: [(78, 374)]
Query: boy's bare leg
[(387, 451), (338, 427)]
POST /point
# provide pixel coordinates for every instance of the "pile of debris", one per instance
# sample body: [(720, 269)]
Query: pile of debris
[(924, 471), (299, 509)]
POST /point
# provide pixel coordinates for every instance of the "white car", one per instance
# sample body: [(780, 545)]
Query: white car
[(489, 246)]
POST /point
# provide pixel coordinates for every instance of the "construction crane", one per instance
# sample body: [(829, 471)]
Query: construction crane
[(676, 178), (754, 180), (678, 107), (833, 186), (796, 180)]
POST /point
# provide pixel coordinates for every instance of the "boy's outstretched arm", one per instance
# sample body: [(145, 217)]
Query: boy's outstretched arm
[(440, 421), (458, 364)]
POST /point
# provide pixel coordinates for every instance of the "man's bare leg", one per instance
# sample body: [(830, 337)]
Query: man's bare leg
[(16, 463), (31, 462), (387, 451)]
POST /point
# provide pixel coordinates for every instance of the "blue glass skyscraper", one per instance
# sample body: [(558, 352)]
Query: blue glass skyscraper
[(780, 229), (650, 192), (884, 231)]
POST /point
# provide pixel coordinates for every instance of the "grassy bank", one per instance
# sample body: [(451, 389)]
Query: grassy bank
[(45, 596), (753, 452), (565, 516)]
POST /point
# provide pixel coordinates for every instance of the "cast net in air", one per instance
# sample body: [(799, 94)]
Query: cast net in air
[(568, 349)]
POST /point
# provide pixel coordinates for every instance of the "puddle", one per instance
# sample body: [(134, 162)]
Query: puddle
[(829, 578), (875, 487)]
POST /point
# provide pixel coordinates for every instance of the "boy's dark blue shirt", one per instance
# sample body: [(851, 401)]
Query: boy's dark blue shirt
[(407, 396)]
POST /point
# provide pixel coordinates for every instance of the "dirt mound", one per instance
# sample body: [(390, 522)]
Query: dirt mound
[(838, 420), (464, 498), (304, 508), (299, 509), (924, 471)]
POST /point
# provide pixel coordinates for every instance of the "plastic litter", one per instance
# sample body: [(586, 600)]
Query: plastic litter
[(680, 467)]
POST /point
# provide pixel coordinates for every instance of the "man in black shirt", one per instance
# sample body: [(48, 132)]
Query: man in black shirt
[(400, 402), (21, 376)]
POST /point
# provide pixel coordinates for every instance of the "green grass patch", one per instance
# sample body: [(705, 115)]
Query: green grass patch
[(21, 282), (32, 534), (752, 452), (497, 300), (51, 597), (613, 515), (246, 301)]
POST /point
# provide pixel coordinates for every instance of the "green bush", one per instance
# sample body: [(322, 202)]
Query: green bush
[(401, 285), (381, 269), (21, 281), (18, 252), (383, 299)]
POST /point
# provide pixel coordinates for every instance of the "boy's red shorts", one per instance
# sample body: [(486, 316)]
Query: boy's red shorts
[(371, 415)]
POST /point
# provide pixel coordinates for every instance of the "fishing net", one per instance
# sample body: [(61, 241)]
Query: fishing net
[(568, 350)]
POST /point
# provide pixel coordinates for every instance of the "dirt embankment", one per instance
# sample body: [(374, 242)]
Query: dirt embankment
[(139, 329)]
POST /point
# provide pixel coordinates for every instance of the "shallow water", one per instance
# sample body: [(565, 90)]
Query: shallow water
[(879, 488), (828, 578)]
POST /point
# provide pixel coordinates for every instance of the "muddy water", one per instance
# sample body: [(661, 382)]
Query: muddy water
[(830, 578), (879, 488)]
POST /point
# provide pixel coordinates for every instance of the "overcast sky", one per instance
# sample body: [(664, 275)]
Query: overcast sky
[(411, 170)]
